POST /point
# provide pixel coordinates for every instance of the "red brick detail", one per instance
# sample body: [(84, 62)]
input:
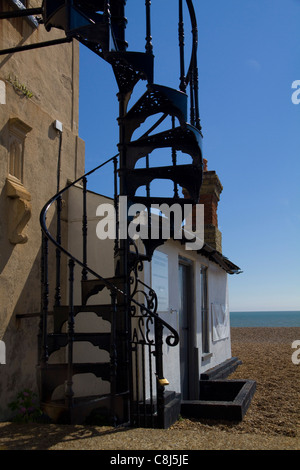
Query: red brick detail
[(210, 202)]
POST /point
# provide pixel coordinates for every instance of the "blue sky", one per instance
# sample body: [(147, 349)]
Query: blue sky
[(248, 56)]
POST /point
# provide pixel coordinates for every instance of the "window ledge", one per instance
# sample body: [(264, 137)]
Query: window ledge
[(15, 189)]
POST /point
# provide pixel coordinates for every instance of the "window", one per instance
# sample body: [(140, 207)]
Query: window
[(204, 311), (160, 280)]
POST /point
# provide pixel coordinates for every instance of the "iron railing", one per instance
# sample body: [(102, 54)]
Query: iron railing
[(145, 331)]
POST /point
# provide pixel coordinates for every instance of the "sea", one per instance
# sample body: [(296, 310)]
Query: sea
[(265, 319)]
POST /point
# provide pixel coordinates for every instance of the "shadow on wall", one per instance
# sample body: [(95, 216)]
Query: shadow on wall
[(24, 30), (21, 334), (6, 247), (2, 352)]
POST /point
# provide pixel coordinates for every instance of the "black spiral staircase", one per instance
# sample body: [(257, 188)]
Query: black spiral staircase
[(134, 343)]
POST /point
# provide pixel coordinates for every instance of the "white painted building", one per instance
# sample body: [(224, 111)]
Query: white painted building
[(193, 298)]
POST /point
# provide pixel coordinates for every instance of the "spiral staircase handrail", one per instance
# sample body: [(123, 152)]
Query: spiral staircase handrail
[(195, 38), (108, 284)]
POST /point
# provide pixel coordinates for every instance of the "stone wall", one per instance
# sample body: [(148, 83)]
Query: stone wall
[(37, 88)]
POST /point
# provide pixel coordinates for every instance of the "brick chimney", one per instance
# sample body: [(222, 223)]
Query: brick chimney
[(210, 191)]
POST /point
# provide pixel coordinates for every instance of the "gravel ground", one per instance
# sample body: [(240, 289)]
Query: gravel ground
[(272, 422)]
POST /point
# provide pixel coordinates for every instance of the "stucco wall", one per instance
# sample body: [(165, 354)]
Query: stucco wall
[(37, 88), (100, 259)]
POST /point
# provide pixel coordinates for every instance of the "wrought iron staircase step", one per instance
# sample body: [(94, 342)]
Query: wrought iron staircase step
[(55, 341), (61, 313), (157, 99), (129, 67), (53, 375), (88, 22), (187, 176), (92, 287), (97, 34), (187, 140), (67, 17), (159, 201)]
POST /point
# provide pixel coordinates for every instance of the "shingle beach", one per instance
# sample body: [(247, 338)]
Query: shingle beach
[(272, 421)]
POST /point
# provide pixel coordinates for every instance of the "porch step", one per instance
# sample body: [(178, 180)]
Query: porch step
[(221, 371), (172, 411), (220, 400), (146, 416)]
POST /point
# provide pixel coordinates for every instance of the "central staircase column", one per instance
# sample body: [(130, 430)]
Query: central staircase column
[(123, 327)]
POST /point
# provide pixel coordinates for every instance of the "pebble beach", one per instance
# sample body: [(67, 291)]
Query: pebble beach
[(272, 421)]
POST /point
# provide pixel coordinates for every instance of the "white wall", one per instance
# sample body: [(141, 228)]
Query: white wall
[(100, 259), (220, 350), (100, 252)]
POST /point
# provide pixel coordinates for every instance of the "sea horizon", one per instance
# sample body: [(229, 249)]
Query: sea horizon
[(265, 318)]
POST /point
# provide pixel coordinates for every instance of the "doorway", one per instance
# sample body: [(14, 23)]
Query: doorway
[(186, 318)]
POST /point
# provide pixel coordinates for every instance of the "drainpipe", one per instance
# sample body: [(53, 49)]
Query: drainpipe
[(58, 126)]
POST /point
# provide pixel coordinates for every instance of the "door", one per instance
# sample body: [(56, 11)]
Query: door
[(204, 311), (185, 313)]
